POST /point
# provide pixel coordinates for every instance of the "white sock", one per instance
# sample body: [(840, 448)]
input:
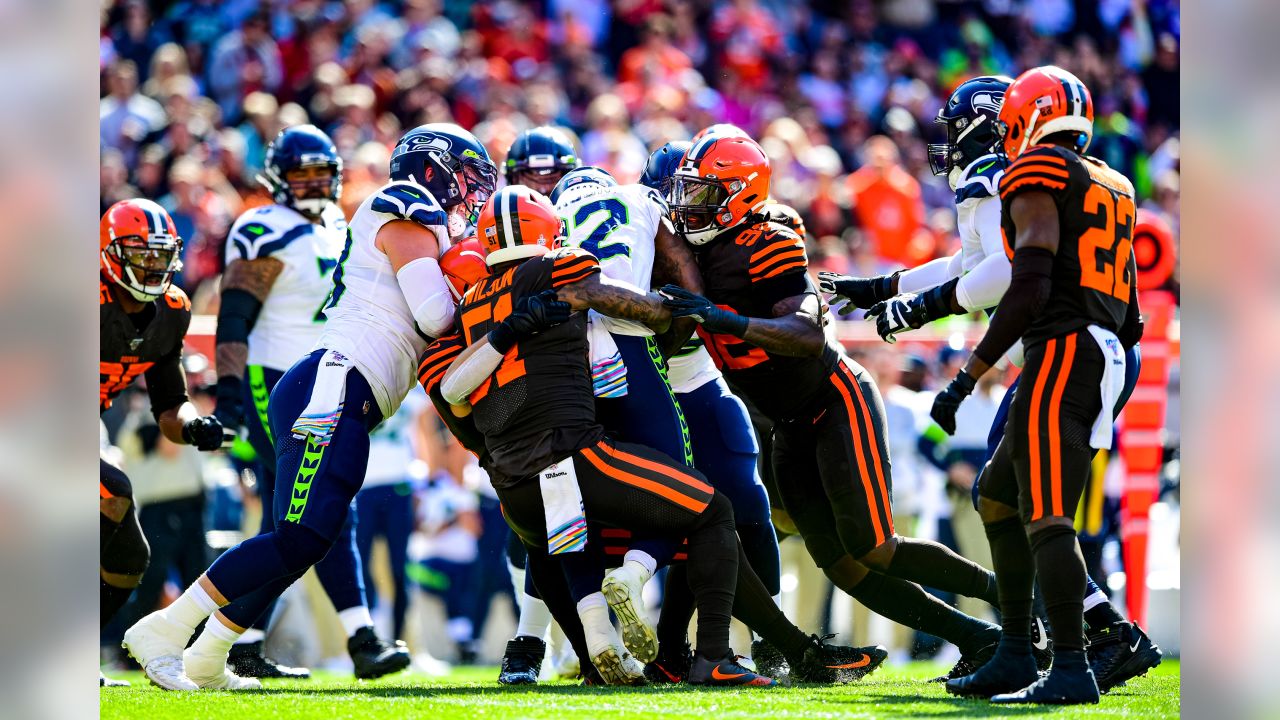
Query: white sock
[(354, 618), (252, 635), (644, 559), (594, 612), (517, 578), (191, 607), (594, 600), (216, 640), (1095, 599), (535, 617)]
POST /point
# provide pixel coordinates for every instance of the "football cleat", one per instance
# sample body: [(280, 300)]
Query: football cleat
[(670, 666), (969, 663), (1041, 645), (104, 681), (619, 667), (591, 677), (1070, 682), (156, 644), (375, 657), (1005, 672), (210, 672), (623, 588), (823, 663), (522, 661), (769, 659), (247, 660), (725, 672), (1120, 652)]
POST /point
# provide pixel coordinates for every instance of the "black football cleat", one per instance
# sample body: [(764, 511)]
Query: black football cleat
[(591, 677), (1005, 672), (104, 681), (522, 661), (823, 663), (1069, 682), (670, 666), (375, 657), (1120, 652), (725, 672), (969, 663), (1041, 645), (247, 660), (769, 659)]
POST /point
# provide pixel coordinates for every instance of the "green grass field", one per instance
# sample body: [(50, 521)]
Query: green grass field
[(472, 693)]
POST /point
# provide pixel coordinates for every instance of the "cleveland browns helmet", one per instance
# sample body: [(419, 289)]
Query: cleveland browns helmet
[(139, 248), (1044, 101), (720, 182), (517, 223)]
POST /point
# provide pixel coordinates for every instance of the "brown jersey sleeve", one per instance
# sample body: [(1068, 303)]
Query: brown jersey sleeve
[(437, 358), (1043, 168), (571, 264), (776, 252)]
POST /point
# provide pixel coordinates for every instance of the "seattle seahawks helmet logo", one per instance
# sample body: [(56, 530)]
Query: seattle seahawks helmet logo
[(428, 142), (987, 100)]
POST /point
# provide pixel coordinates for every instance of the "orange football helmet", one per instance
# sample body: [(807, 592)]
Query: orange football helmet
[(1041, 102), (719, 183), (721, 130), (139, 248), (518, 222), (463, 265)]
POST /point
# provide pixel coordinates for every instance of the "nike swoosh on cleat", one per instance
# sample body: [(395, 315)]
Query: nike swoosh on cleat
[(865, 661), (1134, 646), (1043, 643), (717, 675)]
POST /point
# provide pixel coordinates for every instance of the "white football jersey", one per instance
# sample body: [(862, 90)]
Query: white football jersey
[(978, 210), (292, 314), (691, 367), (369, 320), (617, 225)]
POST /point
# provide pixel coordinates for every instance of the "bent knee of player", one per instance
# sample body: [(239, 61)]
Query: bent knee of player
[(880, 556), (846, 572), (299, 546), (125, 581), (114, 508), (991, 511), (1049, 521)]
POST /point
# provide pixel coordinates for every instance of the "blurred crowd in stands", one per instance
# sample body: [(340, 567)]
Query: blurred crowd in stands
[(840, 93)]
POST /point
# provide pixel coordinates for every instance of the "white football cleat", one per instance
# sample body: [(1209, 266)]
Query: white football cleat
[(156, 644), (210, 672), (623, 587)]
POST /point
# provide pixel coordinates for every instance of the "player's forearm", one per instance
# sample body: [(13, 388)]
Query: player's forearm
[(1022, 303), (245, 286), (172, 420), (670, 342), (469, 370), (618, 300), (934, 272), (231, 358), (796, 335)]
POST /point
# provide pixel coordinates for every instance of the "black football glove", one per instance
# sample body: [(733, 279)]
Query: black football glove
[(206, 433), (532, 314), (948, 401), (859, 292), (230, 409), (683, 303), (910, 311)]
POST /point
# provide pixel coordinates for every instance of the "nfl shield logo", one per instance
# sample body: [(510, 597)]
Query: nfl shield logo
[(134, 343)]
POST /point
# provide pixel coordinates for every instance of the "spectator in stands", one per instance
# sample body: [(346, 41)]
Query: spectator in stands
[(125, 116), (886, 203), (243, 62)]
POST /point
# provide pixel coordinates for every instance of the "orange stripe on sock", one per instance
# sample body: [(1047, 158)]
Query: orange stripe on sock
[(875, 448), (1055, 438), (645, 484), (673, 473), (1033, 430), (862, 461)]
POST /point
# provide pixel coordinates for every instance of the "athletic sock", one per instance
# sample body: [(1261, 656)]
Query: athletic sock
[(535, 617), (753, 605), (191, 607), (355, 618), (110, 600), (216, 640), (908, 604), (936, 566), (1098, 610), (677, 609), (713, 573), (1062, 579), (1016, 571), (643, 559)]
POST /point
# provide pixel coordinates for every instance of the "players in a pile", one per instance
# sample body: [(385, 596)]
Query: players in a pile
[(389, 298), (143, 318), (280, 262), (974, 279), (1067, 220)]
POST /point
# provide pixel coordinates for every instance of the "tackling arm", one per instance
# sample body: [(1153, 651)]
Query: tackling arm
[(614, 299), (413, 251), (795, 328), (673, 264)]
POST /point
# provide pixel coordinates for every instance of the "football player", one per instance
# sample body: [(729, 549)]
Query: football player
[(280, 259), (539, 158), (761, 320), (470, 378), (975, 279), (142, 320), (389, 298), (1067, 220)]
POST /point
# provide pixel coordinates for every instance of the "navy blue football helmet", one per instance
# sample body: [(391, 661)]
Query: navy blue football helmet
[(662, 165), (539, 158), (970, 116), (449, 162), (585, 175), (296, 148)]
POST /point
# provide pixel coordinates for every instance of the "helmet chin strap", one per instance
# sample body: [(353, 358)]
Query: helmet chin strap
[(953, 177)]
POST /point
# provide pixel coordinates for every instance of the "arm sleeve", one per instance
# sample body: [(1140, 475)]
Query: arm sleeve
[(983, 286), (167, 383), (933, 273), (1022, 303), (427, 293), (466, 374), (237, 313)]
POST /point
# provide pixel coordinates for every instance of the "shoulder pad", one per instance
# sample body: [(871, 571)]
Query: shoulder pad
[(1107, 175), (571, 264), (981, 179), (775, 249), (177, 299), (1044, 167), (264, 231), (408, 201), (783, 215)]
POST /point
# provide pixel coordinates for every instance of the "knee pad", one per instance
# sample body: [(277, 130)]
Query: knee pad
[(300, 547), (128, 553)]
